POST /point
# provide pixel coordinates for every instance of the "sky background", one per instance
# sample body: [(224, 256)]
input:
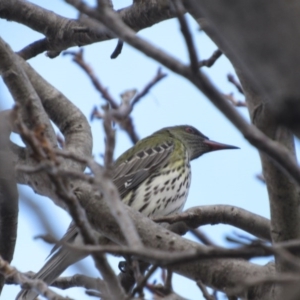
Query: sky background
[(224, 177)]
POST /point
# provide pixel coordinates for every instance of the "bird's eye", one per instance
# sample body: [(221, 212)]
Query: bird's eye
[(189, 130)]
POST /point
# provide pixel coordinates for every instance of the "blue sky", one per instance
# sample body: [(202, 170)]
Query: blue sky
[(224, 177)]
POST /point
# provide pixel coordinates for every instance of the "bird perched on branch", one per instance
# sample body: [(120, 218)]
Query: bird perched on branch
[(152, 177)]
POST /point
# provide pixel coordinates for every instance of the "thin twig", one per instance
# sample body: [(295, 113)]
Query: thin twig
[(194, 65), (204, 291), (168, 281), (235, 102), (231, 79), (143, 281), (202, 237), (261, 177), (118, 49), (120, 113), (110, 141), (78, 58), (159, 76), (210, 61)]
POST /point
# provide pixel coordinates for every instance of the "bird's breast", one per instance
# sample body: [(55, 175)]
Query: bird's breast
[(164, 192)]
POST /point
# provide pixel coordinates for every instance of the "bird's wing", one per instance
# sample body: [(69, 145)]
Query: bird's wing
[(130, 173)]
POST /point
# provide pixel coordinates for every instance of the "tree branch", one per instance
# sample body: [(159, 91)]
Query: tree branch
[(222, 214), (8, 197), (62, 33)]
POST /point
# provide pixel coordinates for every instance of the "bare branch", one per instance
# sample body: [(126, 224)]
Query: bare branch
[(140, 285), (204, 291), (23, 92), (8, 196), (164, 258), (202, 237), (231, 79), (78, 58), (118, 49), (66, 33), (235, 102), (283, 278), (159, 76), (194, 64), (224, 214), (79, 280), (210, 61), (34, 49), (261, 178)]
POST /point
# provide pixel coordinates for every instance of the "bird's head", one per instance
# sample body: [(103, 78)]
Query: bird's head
[(196, 142)]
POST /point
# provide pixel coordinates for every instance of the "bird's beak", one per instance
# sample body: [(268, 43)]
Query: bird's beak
[(218, 146)]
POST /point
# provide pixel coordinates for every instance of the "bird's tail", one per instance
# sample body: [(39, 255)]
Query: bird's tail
[(61, 259), (56, 265)]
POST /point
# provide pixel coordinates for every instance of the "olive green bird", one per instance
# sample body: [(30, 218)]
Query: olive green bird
[(152, 177)]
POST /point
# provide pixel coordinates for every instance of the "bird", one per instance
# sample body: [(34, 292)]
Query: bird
[(153, 177)]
